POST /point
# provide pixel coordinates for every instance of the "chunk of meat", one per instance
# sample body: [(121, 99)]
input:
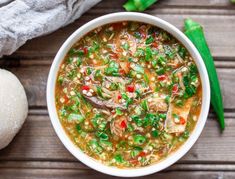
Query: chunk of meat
[(170, 125), (116, 126), (108, 104), (157, 102)]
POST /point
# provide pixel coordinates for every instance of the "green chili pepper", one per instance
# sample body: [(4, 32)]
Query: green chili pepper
[(118, 158), (148, 54), (78, 128), (60, 79), (154, 133), (136, 151), (139, 139), (194, 32), (146, 78), (89, 70), (118, 111), (138, 5), (102, 135), (98, 74), (149, 40), (99, 91), (137, 120), (79, 61)]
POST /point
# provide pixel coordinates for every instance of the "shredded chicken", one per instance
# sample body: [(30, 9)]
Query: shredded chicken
[(116, 128), (114, 79), (158, 104)]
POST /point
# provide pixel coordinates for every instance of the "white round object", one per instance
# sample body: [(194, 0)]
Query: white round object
[(13, 107)]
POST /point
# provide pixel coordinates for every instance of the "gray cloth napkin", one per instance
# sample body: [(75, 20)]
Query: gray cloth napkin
[(21, 20)]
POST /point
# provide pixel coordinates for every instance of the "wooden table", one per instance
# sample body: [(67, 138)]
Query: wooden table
[(36, 151)]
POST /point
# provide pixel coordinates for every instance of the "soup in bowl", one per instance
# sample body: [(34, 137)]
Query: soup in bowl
[(128, 92)]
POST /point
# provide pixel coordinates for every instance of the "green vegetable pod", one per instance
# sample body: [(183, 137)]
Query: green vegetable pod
[(194, 32), (138, 5)]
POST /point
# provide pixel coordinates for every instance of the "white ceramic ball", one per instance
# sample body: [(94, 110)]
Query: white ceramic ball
[(13, 107)]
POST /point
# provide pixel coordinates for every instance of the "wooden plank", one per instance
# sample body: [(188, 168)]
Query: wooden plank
[(38, 141), (79, 166), (34, 78), (218, 23), (218, 35), (90, 174), (174, 3)]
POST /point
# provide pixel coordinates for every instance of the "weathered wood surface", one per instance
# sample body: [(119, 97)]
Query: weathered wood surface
[(74, 174), (217, 17), (36, 152)]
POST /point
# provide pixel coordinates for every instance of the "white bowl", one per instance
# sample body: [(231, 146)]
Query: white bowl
[(110, 18)]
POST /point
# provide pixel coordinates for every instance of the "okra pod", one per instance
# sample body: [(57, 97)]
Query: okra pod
[(138, 5), (194, 32)]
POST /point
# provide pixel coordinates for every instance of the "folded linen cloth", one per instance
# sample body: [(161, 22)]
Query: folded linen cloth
[(22, 20)]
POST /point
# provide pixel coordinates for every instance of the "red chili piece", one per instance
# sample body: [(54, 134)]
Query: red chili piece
[(142, 154), (154, 44), (123, 124), (130, 88), (114, 55), (182, 120), (161, 77), (175, 88), (119, 96), (85, 87), (85, 50), (66, 99), (121, 72)]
